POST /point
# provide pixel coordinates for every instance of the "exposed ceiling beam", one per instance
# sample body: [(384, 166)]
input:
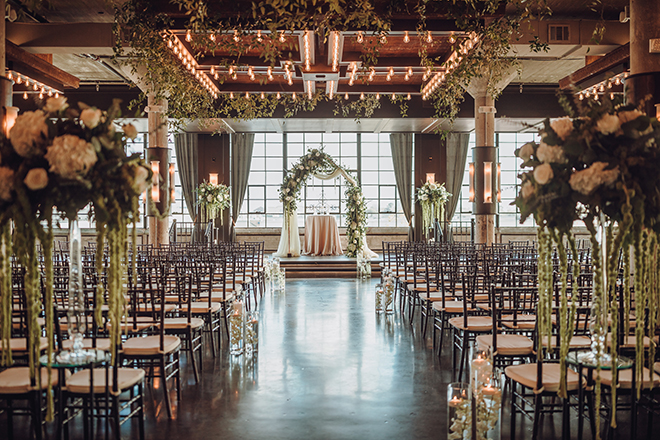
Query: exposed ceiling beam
[(606, 63), (35, 67)]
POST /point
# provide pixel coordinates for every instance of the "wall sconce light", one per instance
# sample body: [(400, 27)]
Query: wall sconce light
[(488, 182), (499, 182), (430, 177), (11, 113), (657, 112), (155, 185), (213, 178), (172, 193), (471, 171)]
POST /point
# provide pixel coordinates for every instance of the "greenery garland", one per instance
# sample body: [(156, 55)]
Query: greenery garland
[(140, 27), (319, 160)]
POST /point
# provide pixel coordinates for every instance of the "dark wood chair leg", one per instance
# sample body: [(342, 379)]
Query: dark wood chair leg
[(163, 378)]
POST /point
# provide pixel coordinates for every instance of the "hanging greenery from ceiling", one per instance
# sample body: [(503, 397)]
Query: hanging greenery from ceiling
[(140, 31)]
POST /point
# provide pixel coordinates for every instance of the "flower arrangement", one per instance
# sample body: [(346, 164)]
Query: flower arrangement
[(433, 198), (60, 158), (318, 160), (599, 166), (213, 199)]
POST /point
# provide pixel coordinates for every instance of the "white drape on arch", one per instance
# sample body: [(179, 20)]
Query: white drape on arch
[(290, 237)]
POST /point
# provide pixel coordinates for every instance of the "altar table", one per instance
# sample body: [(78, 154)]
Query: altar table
[(321, 236)]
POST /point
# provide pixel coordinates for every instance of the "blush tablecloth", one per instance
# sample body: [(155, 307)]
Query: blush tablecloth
[(321, 236)]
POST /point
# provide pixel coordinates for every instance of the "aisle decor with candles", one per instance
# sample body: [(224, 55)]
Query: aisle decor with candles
[(319, 163), (600, 166), (433, 198), (213, 199), (61, 159)]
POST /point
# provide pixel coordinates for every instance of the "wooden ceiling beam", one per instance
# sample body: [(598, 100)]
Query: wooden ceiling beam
[(34, 66), (609, 62), (93, 38)]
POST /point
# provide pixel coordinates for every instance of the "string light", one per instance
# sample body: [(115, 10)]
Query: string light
[(251, 73), (231, 95), (335, 51), (308, 54), (452, 38), (346, 96), (259, 39), (247, 95), (362, 96), (236, 37), (278, 96), (383, 38), (294, 96), (360, 37), (282, 37), (393, 96), (188, 36), (353, 73), (429, 37), (406, 37), (270, 73), (378, 96), (263, 95), (25, 95), (309, 90), (36, 85), (212, 37), (372, 73), (408, 97)]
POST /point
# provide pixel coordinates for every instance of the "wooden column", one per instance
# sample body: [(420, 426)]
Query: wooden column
[(158, 151), (430, 157), (643, 84), (484, 206)]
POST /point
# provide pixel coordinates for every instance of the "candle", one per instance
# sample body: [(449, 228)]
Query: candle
[(455, 401), (489, 390)]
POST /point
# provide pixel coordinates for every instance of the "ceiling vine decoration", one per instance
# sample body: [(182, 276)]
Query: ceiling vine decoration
[(246, 60)]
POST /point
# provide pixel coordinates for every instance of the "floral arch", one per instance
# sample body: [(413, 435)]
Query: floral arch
[(320, 164)]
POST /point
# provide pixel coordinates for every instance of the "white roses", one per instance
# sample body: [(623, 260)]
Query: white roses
[(629, 115), (54, 105), (90, 117), (6, 183), (563, 127), (36, 179), (70, 156), (543, 173), (140, 179), (527, 189), (29, 133), (547, 154), (586, 181), (130, 131), (608, 124)]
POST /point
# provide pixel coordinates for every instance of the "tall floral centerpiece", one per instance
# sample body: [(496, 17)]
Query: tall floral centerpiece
[(213, 199), (433, 198), (62, 159), (601, 166), (356, 217)]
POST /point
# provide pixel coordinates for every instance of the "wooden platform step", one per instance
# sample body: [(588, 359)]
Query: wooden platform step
[(325, 267)]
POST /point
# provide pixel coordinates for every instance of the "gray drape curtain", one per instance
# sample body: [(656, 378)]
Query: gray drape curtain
[(402, 152), (185, 146), (242, 145), (457, 149)]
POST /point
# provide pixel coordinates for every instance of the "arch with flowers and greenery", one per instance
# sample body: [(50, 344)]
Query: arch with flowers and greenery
[(319, 164)]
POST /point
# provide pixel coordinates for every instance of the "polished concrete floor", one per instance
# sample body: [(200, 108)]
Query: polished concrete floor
[(327, 367)]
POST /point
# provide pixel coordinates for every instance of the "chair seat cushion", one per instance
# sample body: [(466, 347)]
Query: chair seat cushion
[(16, 380), (577, 342), (507, 345), (148, 308), (150, 345), (182, 323), (218, 297), (19, 345), (126, 378), (101, 344), (523, 322), (629, 341), (450, 306), (525, 375), (625, 378), (474, 323), (201, 307), (420, 287)]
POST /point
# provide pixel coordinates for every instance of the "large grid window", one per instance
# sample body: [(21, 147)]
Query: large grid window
[(507, 143), (367, 156)]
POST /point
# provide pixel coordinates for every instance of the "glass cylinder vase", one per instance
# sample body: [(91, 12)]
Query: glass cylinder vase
[(237, 324), (76, 316), (459, 416), (379, 298), (252, 333), (388, 296)]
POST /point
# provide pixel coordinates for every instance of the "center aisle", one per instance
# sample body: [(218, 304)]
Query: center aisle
[(328, 368)]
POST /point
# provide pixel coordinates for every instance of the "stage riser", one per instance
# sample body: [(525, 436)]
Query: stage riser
[(325, 270)]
